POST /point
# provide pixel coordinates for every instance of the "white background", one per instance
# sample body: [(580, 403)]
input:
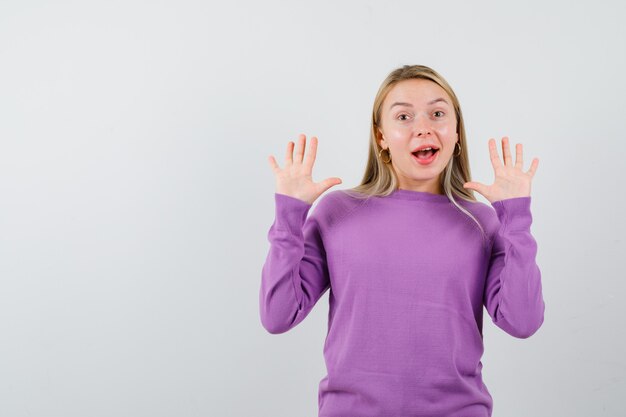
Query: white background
[(136, 196)]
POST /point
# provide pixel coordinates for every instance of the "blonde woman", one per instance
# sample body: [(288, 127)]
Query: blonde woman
[(410, 258)]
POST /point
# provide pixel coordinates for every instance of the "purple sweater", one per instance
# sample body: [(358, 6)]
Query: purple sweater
[(408, 275)]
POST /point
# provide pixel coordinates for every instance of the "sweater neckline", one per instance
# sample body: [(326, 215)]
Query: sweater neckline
[(402, 194)]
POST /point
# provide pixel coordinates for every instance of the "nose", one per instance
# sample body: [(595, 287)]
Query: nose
[(422, 127)]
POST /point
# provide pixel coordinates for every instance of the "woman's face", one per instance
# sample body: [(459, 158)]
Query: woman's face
[(417, 113)]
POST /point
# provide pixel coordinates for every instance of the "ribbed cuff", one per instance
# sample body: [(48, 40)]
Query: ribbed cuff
[(290, 213), (514, 213)]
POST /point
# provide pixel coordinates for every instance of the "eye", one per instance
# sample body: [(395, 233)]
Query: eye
[(439, 111), (401, 115)]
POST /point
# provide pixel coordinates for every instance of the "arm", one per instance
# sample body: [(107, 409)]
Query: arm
[(513, 294), (295, 274)]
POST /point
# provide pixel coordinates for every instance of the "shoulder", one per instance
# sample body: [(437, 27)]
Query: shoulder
[(484, 213), (336, 204)]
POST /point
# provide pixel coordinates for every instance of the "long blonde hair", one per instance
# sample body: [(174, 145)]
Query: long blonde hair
[(380, 179)]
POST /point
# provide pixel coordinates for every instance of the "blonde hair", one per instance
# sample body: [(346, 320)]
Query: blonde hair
[(380, 179)]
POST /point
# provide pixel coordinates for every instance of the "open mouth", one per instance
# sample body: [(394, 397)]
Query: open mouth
[(426, 153)]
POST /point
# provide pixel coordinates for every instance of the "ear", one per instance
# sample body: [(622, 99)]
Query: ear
[(380, 136)]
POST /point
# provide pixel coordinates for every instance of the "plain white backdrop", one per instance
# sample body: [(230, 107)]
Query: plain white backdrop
[(136, 196)]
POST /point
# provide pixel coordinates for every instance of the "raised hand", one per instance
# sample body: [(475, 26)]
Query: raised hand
[(295, 179), (510, 180)]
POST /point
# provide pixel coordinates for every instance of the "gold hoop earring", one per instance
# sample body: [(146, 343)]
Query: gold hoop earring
[(380, 155), (457, 154)]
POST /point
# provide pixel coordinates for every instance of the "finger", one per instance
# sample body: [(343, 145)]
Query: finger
[(519, 161), (273, 164), (329, 182), (506, 151), (310, 155), (477, 186), (289, 153), (533, 167), (493, 154), (300, 149)]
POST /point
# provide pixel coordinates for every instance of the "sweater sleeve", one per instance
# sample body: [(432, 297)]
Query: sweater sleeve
[(513, 295), (295, 274)]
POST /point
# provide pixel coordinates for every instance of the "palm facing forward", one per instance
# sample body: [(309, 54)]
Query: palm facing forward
[(295, 179), (510, 181)]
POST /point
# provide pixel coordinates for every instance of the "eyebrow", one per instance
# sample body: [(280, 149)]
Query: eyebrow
[(399, 103)]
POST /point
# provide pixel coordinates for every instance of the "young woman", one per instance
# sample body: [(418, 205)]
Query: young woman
[(410, 258)]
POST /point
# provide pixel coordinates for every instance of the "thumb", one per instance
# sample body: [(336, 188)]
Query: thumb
[(330, 182), (477, 186)]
